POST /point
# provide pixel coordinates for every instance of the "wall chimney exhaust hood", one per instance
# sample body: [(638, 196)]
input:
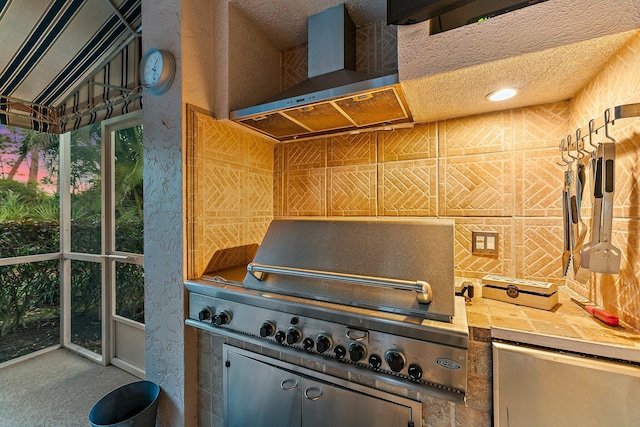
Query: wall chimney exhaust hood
[(335, 98)]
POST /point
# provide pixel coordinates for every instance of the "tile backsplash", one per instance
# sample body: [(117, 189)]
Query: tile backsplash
[(491, 180), (490, 172)]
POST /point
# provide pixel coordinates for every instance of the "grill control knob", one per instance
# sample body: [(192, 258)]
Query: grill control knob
[(307, 344), (395, 360), (323, 343), (280, 337), (375, 361), (205, 314), (340, 352), (223, 318), (293, 336), (357, 351), (415, 372), (267, 329)]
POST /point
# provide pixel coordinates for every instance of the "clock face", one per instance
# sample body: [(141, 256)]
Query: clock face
[(157, 70), (152, 69)]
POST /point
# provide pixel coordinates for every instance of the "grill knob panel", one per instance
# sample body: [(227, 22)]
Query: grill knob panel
[(323, 343), (280, 337), (375, 361), (267, 329), (307, 344), (205, 314), (340, 352), (395, 360), (415, 372), (357, 351), (223, 318), (293, 336)]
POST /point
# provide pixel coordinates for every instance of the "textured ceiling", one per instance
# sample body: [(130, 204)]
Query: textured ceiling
[(540, 77), (548, 51), (285, 22)]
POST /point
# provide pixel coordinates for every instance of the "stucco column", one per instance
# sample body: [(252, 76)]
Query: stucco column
[(186, 28)]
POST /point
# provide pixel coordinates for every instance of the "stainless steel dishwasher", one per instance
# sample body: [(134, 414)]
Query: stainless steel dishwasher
[(537, 387)]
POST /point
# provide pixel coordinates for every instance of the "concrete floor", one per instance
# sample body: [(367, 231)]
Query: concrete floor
[(57, 388)]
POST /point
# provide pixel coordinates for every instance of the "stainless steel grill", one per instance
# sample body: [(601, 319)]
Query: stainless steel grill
[(373, 296)]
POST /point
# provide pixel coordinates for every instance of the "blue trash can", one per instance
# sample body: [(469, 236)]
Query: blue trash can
[(132, 405)]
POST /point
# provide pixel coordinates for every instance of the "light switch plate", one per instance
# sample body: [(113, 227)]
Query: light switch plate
[(484, 243)]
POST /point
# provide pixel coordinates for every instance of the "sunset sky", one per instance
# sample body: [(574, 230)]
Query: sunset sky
[(9, 141)]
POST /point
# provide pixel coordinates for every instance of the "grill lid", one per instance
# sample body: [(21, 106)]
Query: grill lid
[(398, 266)]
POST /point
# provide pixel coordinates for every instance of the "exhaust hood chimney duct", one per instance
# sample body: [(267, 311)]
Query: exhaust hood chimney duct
[(332, 42), (335, 97)]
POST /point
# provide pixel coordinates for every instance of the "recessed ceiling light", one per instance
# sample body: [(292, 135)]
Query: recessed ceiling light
[(501, 95)]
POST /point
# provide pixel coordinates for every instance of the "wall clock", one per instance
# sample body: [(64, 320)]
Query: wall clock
[(157, 70)]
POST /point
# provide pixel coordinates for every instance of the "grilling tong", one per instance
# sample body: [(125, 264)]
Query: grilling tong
[(598, 254)]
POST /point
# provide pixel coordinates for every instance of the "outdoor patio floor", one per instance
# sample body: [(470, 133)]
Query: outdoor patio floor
[(57, 388)]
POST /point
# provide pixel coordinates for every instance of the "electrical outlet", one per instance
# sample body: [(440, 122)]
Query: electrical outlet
[(484, 243)]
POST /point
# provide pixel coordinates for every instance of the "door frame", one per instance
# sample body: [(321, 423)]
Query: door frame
[(132, 333), (107, 258)]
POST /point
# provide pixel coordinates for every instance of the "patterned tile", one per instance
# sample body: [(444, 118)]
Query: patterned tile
[(259, 193), (294, 66), (476, 266), (279, 153), (221, 190), (627, 172), (479, 185), (278, 194), (352, 190), (407, 188), (484, 133), (408, 144), (618, 84), (541, 126), (619, 292), (351, 149), (538, 183), (538, 249), (305, 193), (223, 235), (259, 153), (255, 229), (377, 49), (222, 142), (306, 154)]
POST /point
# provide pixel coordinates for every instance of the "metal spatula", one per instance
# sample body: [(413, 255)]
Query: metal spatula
[(596, 220), (605, 258)]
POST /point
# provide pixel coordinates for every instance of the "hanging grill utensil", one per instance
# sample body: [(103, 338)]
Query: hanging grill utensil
[(566, 217), (580, 272), (605, 257), (596, 216)]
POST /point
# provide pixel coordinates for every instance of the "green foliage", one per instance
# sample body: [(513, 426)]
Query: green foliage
[(28, 193), (29, 224), (130, 291), (12, 208), (25, 288), (28, 287), (47, 210)]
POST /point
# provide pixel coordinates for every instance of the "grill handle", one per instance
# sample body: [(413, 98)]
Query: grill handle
[(422, 288)]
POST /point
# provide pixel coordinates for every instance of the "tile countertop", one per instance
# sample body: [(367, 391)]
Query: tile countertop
[(566, 327)]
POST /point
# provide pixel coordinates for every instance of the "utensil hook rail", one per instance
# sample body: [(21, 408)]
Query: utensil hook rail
[(423, 290), (610, 115)]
